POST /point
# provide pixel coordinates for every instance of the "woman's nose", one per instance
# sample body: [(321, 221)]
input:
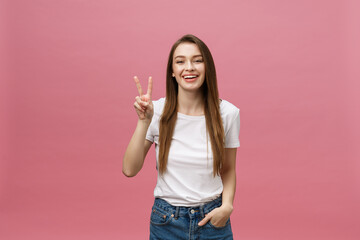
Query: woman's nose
[(189, 65)]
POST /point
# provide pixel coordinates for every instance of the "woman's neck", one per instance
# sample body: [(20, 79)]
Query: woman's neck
[(191, 103)]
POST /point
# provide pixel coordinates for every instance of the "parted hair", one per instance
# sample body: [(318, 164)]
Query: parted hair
[(210, 92)]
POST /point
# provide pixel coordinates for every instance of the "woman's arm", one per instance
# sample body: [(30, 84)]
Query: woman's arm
[(228, 176), (136, 150), (220, 215), (138, 145)]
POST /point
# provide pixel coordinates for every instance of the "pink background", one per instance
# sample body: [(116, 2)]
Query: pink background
[(66, 96)]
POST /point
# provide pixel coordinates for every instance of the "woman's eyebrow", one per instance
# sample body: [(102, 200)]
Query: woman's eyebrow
[(180, 56)]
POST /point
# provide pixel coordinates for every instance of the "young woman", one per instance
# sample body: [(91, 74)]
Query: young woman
[(196, 136)]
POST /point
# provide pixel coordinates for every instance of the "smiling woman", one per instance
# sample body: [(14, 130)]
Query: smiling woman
[(191, 128), (188, 67)]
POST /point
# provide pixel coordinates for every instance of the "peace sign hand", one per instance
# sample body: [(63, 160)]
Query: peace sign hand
[(143, 104)]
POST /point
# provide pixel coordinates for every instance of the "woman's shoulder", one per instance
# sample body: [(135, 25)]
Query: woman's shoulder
[(159, 102), (159, 105), (227, 107), (229, 112)]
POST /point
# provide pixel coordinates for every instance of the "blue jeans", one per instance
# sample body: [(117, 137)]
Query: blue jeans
[(168, 222)]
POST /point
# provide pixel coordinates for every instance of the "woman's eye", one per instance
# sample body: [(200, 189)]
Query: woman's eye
[(199, 60), (179, 61)]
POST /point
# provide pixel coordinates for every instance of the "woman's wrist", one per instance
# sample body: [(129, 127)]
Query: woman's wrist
[(144, 122), (228, 206)]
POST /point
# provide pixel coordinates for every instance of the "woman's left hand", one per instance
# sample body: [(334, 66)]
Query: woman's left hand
[(218, 217)]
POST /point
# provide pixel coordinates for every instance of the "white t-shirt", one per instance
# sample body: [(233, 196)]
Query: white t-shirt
[(188, 180)]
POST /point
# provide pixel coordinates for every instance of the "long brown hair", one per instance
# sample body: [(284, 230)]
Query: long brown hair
[(214, 124)]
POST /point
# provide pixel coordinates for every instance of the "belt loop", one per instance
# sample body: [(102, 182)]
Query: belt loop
[(177, 212), (202, 210)]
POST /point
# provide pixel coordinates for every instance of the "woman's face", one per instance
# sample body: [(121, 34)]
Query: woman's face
[(188, 67)]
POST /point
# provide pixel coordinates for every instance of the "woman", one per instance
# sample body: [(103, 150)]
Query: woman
[(196, 136)]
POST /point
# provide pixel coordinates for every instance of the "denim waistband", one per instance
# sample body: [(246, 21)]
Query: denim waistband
[(202, 209)]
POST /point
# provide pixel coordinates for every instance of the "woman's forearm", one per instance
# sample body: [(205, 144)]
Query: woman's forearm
[(229, 186), (228, 176), (135, 153)]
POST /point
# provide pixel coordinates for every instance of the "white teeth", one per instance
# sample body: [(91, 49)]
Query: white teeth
[(190, 76)]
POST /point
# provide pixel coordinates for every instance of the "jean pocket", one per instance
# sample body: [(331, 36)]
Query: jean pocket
[(216, 227), (160, 216)]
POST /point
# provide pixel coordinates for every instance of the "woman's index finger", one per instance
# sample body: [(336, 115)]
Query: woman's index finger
[(150, 84), (138, 85)]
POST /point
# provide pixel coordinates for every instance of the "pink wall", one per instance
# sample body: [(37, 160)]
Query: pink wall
[(3, 98), (67, 115)]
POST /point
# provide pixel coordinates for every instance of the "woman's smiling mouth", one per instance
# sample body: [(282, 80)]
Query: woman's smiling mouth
[(190, 78)]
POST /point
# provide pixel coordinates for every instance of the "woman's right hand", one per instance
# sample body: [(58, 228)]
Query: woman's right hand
[(143, 104)]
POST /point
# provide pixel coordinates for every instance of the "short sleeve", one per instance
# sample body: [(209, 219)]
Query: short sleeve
[(232, 134), (152, 133)]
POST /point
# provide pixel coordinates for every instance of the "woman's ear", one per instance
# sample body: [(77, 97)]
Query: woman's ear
[(173, 74)]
